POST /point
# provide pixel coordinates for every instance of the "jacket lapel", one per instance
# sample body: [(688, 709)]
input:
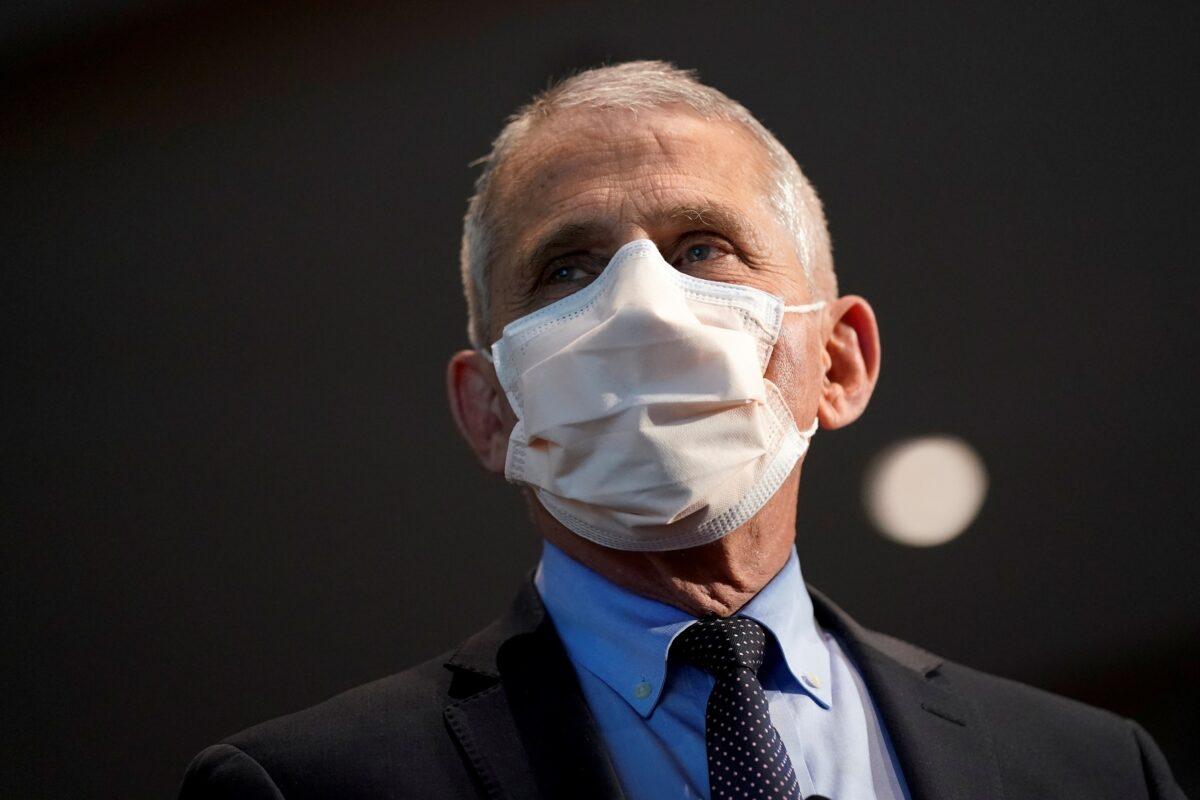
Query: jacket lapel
[(518, 714), (943, 745)]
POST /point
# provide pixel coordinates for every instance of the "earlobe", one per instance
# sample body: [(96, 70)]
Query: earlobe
[(851, 361), (477, 405)]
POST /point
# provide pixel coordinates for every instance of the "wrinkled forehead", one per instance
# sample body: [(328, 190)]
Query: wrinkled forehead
[(624, 165)]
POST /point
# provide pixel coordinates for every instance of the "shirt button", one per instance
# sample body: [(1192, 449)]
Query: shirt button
[(812, 680), (641, 691)]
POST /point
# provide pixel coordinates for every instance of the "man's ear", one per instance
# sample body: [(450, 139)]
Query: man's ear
[(479, 407), (851, 362)]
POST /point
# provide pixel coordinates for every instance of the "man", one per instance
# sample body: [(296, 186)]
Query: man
[(657, 336)]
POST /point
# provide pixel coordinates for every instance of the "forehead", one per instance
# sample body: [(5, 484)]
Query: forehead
[(623, 164)]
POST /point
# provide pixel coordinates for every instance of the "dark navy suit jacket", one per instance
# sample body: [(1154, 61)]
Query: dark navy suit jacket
[(503, 717)]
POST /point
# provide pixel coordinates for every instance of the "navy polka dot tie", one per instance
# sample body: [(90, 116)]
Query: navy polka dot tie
[(746, 757)]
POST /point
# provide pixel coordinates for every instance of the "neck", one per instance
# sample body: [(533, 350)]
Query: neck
[(717, 578)]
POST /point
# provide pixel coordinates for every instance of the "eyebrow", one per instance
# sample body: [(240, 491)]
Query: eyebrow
[(721, 218)]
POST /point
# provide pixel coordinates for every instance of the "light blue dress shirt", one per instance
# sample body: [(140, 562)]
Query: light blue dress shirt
[(651, 712)]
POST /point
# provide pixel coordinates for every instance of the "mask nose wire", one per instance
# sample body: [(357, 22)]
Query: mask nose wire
[(802, 309)]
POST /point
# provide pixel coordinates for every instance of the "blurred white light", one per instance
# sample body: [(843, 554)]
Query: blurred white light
[(926, 491)]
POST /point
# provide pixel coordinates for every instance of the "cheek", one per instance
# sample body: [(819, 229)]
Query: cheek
[(795, 368)]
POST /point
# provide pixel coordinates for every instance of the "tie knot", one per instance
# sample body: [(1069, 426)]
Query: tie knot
[(720, 646)]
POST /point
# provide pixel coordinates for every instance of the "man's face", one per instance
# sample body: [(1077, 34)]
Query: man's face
[(586, 182)]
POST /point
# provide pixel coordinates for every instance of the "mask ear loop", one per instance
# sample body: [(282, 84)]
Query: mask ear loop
[(486, 352)]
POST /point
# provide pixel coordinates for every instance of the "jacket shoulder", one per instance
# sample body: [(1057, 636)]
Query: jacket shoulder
[(1008, 702), (1044, 744), (1044, 741), (377, 739), (402, 701)]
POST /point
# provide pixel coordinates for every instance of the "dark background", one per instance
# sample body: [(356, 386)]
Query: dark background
[(230, 285)]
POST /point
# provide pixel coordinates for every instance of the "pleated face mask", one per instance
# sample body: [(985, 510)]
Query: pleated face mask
[(644, 421)]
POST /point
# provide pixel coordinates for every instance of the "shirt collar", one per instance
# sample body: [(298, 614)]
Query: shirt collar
[(623, 638)]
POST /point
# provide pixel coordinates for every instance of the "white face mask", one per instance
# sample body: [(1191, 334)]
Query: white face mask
[(644, 421)]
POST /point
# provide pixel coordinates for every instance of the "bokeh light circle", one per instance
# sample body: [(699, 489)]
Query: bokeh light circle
[(925, 491)]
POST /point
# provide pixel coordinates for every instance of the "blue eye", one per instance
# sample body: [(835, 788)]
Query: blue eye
[(698, 252), (566, 274)]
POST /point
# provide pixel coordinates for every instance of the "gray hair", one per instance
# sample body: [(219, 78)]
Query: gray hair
[(631, 86)]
